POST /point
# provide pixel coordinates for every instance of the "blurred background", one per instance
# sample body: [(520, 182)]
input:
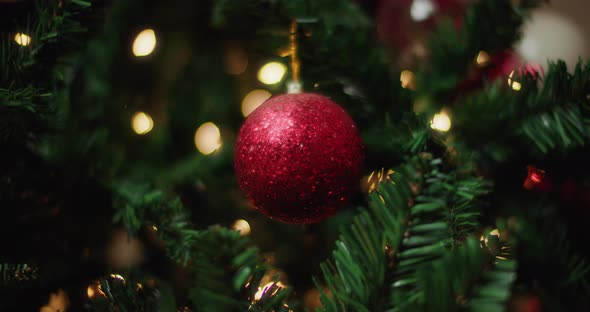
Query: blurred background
[(164, 87)]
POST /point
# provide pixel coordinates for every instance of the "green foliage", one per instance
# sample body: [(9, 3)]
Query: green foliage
[(453, 48), (412, 249), (412, 220), (444, 214), (566, 278), (466, 279), (226, 271), (126, 294), (30, 74), (17, 274), (552, 118)]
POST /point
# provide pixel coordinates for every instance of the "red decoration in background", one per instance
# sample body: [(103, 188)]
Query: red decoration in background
[(500, 66), (298, 157), (525, 303), (537, 180), (404, 25), (532, 69)]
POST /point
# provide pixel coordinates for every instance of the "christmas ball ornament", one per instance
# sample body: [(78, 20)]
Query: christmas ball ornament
[(298, 157)]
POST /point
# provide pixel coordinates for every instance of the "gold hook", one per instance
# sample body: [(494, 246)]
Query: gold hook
[(295, 65)]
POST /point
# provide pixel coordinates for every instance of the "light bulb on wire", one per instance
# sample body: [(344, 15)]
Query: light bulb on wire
[(515, 85), (267, 287), (408, 79), (441, 122), (142, 123), (22, 39), (144, 43)]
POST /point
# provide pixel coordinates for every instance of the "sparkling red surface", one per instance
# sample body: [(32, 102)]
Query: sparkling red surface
[(299, 157)]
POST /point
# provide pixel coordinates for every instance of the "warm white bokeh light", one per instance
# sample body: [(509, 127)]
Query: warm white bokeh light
[(208, 138), (94, 290), (271, 73), (144, 43), (407, 79), (515, 85), (483, 58), (254, 99), (441, 122), (421, 9), (58, 301), (123, 251), (242, 226), (22, 39), (90, 291), (142, 123)]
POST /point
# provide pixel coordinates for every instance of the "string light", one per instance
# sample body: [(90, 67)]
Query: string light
[(144, 43), (22, 39), (536, 180), (271, 73), (483, 58), (208, 138), (254, 99), (372, 181), (142, 123), (407, 79), (515, 85), (242, 226), (441, 122), (118, 277), (262, 290), (494, 232), (421, 9), (94, 290)]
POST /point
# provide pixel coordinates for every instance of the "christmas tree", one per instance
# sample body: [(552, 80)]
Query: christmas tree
[(288, 155)]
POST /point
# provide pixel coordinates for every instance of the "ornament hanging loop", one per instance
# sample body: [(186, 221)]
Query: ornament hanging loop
[(294, 86)]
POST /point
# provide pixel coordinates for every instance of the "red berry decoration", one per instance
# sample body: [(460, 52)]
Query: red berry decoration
[(298, 158)]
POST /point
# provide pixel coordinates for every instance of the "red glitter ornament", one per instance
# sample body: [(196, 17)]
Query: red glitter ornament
[(298, 157)]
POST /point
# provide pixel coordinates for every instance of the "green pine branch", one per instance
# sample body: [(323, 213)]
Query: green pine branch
[(30, 73), (467, 278), (487, 25), (554, 117), (411, 221), (126, 293), (225, 269), (445, 213), (546, 245)]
